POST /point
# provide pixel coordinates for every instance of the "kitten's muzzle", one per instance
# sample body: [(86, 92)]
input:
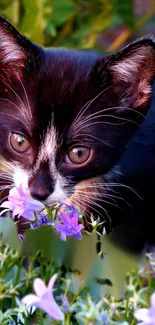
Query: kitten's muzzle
[(41, 185)]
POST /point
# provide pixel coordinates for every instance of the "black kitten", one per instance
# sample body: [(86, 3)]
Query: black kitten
[(135, 210), (66, 117)]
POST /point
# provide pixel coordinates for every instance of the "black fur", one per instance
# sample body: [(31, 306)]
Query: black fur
[(59, 83)]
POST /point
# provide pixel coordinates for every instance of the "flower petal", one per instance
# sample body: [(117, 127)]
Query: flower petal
[(60, 227), (51, 282), (78, 235), (22, 190), (39, 287), (153, 300), (7, 204), (49, 305), (75, 219), (65, 218), (63, 236), (142, 314), (80, 226), (35, 205), (30, 300), (29, 215), (2, 212), (18, 211), (21, 238)]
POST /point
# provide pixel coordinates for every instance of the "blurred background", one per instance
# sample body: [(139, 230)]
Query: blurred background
[(104, 25)]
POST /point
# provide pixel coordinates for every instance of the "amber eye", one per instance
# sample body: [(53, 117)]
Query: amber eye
[(19, 143), (79, 155)]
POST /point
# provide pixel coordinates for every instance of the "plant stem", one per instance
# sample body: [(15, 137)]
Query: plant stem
[(67, 319)]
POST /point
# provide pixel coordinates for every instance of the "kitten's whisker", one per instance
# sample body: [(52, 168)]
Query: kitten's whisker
[(9, 101), (88, 200), (85, 213), (107, 185), (8, 175), (83, 210), (86, 106), (98, 205), (84, 125), (94, 185), (15, 118), (2, 189), (125, 186), (26, 96), (106, 195), (23, 106), (88, 205), (91, 136), (5, 197), (97, 198), (6, 172), (90, 116)]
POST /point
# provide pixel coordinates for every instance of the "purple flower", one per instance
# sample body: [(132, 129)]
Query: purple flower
[(65, 303), (42, 220), (104, 319), (70, 226), (21, 238), (146, 315), (21, 203), (44, 298)]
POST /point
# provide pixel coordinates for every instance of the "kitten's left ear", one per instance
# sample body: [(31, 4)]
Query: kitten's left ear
[(131, 72), (16, 51)]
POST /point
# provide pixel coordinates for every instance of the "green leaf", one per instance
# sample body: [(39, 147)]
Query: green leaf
[(62, 10), (9, 234), (51, 30), (10, 9), (33, 23), (126, 12)]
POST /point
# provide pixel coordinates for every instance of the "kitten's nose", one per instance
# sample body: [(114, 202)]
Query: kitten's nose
[(41, 185), (40, 196)]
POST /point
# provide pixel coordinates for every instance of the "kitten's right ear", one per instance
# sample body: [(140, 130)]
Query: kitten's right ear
[(130, 72), (16, 51)]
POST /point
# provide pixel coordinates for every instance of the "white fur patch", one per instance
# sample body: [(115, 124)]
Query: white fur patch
[(59, 194), (20, 177), (48, 147)]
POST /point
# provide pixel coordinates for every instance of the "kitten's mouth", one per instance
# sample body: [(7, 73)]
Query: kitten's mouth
[(53, 205)]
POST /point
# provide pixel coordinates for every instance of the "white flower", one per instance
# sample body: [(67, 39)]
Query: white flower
[(146, 315)]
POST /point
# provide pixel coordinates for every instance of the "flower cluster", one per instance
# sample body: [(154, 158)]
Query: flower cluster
[(23, 205)]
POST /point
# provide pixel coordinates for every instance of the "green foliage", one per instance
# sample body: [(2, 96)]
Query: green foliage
[(77, 255), (75, 23), (16, 281)]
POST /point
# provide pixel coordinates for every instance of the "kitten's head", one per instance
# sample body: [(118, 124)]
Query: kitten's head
[(66, 116)]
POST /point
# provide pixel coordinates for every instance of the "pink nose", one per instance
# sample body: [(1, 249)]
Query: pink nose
[(40, 196)]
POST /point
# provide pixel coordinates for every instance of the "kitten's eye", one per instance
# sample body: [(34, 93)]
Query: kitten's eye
[(79, 155), (19, 143)]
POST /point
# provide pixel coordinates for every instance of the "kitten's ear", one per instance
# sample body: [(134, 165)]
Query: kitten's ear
[(131, 71), (16, 51)]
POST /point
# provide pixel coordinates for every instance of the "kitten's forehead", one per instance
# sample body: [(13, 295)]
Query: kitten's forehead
[(48, 149), (49, 144)]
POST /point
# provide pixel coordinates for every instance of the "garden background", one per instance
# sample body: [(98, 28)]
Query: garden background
[(104, 25)]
